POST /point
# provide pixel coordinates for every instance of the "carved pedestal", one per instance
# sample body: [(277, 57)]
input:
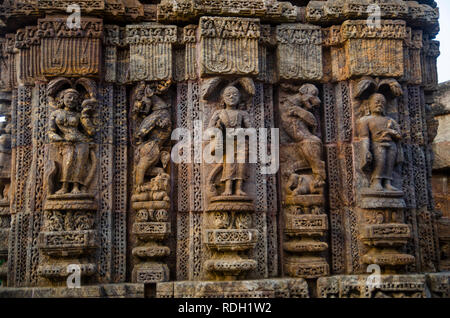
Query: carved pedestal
[(5, 220), (305, 223), (383, 230), (230, 237), (151, 229), (68, 237)]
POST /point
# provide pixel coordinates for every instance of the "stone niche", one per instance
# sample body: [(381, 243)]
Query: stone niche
[(124, 132)]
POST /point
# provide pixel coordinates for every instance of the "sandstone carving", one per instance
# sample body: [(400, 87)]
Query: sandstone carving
[(381, 148), (150, 198), (190, 148)]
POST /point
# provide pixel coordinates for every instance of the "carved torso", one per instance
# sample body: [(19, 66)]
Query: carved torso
[(379, 128), (230, 118), (297, 122), (67, 123)]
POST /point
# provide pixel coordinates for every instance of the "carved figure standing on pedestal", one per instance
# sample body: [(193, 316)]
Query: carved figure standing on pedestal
[(153, 132), (233, 173), (301, 126), (380, 144), (72, 132), (5, 157)]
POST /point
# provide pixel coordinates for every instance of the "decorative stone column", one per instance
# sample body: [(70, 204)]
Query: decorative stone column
[(302, 166), (229, 232), (68, 235), (303, 179), (5, 181), (151, 195), (151, 66)]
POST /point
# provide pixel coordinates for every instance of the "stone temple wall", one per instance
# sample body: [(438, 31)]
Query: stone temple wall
[(126, 122), (441, 168)]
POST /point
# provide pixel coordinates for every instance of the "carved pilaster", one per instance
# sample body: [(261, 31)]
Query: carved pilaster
[(379, 155), (68, 236), (299, 52), (151, 182), (382, 47), (229, 225), (228, 46), (303, 178), (5, 183)]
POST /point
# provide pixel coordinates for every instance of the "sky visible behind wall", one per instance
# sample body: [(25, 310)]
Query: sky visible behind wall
[(444, 38)]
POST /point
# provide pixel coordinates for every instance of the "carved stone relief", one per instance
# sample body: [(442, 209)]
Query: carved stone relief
[(88, 175), (68, 235), (303, 179), (229, 230), (151, 192)]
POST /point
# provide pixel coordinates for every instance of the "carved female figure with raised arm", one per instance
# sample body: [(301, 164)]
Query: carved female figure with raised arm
[(72, 132)]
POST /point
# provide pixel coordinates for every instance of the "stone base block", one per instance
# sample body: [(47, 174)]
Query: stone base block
[(373, 286), (265, 288), (231, 203), (439, 284), (69, 201), (150, 273), (99, 291), (371, 199), (308, 268)]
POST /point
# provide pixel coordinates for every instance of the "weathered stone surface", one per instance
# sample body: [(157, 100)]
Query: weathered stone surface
[(100, 291), (267, 288), (387, 286), (123, 137), (441, 144)]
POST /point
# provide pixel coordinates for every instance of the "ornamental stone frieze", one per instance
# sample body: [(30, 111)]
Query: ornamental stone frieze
[(194, 148)]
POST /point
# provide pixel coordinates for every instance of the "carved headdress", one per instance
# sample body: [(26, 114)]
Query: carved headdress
[(212, 89)]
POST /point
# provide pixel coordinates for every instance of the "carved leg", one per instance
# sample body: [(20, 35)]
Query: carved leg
[(140, 172), (76, 188), (228, 188), (312, 151), (376, 184), (64, 189), (239, 189), (388, 186)]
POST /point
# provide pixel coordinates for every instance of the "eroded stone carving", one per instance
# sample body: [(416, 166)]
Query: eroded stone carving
[(68, 235), (230, 234), (151, 193), (5, 180), (303, 178), (381, 153), (92, 110), (380, 136)]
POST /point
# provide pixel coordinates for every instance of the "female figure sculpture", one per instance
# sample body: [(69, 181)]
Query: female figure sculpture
[(72, 132)]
